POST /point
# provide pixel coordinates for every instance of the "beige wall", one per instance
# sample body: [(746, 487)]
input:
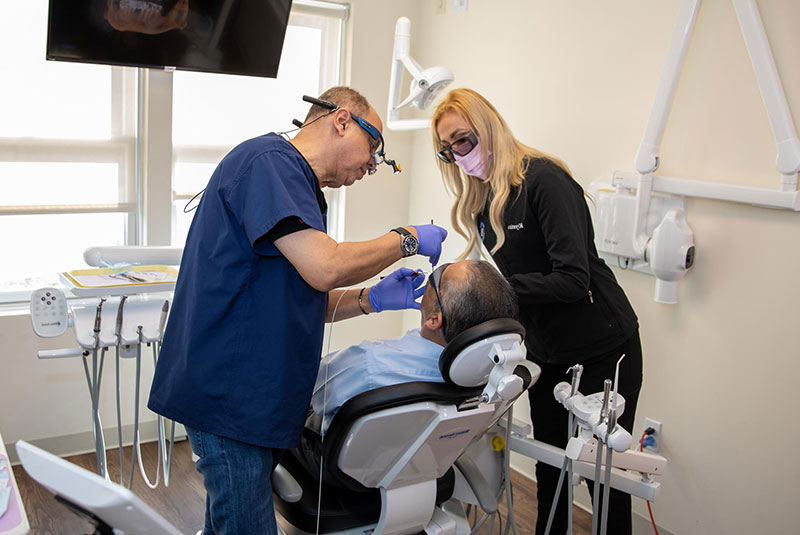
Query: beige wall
[(577, 79)]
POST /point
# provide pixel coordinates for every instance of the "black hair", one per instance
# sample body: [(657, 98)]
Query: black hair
[(481, 295)]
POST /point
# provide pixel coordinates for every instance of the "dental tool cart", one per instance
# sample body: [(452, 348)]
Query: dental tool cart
[(13, 520), (125, 306)]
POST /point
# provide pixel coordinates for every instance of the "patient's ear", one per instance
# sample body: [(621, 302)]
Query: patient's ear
[(434, 321)]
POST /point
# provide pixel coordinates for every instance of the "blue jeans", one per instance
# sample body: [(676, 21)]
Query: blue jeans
[(237, 481)]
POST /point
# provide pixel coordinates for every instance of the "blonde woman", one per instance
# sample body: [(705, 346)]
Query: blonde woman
[(531, 215)]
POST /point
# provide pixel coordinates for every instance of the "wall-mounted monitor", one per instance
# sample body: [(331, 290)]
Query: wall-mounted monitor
[(222, 36)]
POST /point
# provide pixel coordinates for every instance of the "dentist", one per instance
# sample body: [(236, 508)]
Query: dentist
[(258, 280)]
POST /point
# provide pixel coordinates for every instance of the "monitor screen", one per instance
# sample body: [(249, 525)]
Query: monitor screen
[(222, 36)]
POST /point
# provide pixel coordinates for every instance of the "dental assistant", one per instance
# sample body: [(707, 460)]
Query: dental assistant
[(257, 283), (532, 217)]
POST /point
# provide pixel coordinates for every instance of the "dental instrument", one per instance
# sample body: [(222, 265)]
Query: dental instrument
[(94, 389), (166, 458), (118, 333), (566, 467), (596, 416)]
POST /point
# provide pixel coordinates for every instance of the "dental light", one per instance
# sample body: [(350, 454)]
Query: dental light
[(425, 85)]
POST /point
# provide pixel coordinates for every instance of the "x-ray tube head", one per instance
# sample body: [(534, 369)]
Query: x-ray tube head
[(670, 253)]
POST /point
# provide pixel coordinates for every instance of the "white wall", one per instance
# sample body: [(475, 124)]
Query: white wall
[(577, 79)]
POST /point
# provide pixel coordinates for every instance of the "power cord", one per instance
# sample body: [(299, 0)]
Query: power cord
[(642, 443)]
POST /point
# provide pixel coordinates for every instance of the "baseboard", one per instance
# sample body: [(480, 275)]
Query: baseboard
[(79, 443)]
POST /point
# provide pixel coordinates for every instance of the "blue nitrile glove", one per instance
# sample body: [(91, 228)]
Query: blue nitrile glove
[(430, 238), (398, 290)]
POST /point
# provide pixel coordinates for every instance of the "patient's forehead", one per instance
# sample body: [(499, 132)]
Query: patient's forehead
[(456, 270)]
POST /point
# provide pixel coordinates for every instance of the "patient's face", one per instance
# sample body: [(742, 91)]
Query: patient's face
[(429, 297), (429, 301)]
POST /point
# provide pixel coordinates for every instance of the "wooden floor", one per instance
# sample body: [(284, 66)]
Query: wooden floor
[(183, 502)]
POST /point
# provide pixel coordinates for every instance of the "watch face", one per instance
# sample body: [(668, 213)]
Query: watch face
[(410, 245)]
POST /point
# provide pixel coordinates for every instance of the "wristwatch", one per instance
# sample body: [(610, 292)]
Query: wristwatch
[(409, 243)]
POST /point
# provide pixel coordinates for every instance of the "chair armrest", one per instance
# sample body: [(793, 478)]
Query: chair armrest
[(285, 485)]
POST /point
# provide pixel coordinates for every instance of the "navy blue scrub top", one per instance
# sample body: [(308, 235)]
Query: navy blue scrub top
[(242, 347)]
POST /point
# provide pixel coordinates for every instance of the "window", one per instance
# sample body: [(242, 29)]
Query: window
[(72, 139), (310, 63)]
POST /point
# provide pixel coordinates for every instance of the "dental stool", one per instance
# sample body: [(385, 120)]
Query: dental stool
[(389, 453)]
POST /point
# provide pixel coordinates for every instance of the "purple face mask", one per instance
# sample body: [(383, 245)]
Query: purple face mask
[(472, 163)]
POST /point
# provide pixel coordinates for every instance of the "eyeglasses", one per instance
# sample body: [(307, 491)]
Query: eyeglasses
[(378, 154), (436, 276), (461, 146)]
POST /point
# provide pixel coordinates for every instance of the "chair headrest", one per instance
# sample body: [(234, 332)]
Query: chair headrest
[(465, 360)]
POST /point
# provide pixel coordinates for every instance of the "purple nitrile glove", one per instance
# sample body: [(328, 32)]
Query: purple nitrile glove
[(430, 238), (398, 290)]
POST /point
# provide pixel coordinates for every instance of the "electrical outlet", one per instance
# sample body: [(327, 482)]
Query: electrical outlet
[(655, 438)]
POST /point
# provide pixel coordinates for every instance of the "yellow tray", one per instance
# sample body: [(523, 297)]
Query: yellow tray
[(103, 281)]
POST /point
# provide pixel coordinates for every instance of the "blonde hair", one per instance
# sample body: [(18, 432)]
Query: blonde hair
[(506, 170)]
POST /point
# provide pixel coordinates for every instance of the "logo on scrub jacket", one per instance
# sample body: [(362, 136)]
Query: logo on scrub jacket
[(517, 226)]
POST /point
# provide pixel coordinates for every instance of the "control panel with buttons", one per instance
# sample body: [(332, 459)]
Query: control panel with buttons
[(49, 312)]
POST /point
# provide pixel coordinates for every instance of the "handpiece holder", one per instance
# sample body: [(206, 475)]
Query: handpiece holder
[(146, 311), (97, 326), (588, 411)]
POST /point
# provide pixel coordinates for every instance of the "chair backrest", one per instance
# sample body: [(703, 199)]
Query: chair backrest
[(466, 362)]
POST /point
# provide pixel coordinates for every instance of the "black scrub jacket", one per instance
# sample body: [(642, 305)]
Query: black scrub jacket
[(570, 303)]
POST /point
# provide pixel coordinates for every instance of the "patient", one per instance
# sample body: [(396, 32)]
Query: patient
[(470, 292)]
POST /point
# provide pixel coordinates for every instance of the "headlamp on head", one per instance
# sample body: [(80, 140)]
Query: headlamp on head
[(378, 154)]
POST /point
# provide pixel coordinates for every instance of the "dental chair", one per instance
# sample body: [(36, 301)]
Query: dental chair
[(393, 458)]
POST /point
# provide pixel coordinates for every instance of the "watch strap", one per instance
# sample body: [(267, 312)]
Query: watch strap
[(406, 236), (400, 230)]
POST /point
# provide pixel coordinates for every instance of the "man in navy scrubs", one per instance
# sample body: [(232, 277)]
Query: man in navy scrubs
[(257, 283)]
